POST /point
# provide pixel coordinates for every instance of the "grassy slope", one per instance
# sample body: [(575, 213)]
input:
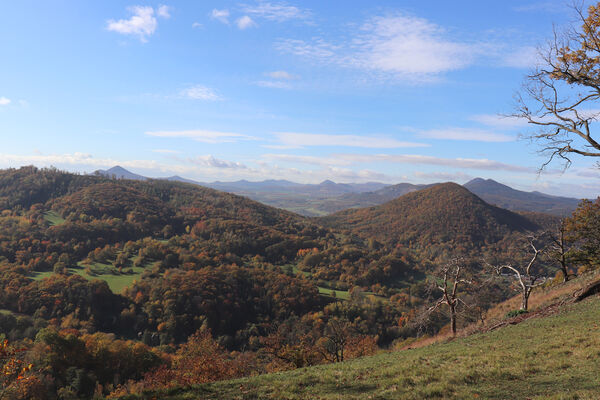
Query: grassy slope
[(116, 283), (53, 218), (541, 358)]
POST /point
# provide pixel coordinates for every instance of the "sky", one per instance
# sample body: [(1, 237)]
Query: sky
[(351, 91)]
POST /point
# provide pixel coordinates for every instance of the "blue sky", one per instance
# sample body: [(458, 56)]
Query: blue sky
[(390, 91)]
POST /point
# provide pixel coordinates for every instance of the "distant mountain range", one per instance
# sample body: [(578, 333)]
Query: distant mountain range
[(329, 197)]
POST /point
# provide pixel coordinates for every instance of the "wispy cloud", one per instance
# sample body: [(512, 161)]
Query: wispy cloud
[(220, 15), (165, 151), (403, 46), (299, 140), (469, 163), (545, 6), (163, 11), (279, 12), (312, 160), (284, 75), (274, 84), (446, 176), (4, 101), (245, 22), (521, 57), (201, 135), (499, 121), (142, 22), (199, 92), (409, 49), (476, 135)]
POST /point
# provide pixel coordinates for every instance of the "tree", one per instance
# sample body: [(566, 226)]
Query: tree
[(560, 250), (335, 339), (583, 227), (14, 373), (559, 96), (451, 276), (526, 277)]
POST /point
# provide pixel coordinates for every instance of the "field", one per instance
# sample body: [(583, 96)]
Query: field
[(117, 282), (53, 218), (555, 357)]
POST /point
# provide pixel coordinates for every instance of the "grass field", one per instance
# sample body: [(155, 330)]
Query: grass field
[(53, 218), (116, 282), (556, 357)]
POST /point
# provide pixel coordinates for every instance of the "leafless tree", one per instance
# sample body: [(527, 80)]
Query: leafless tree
[(560, 96), (526, 277), (335, 339), (560, 249), (451, 276)]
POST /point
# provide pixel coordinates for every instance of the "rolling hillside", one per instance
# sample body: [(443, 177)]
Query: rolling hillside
[(553, 357)]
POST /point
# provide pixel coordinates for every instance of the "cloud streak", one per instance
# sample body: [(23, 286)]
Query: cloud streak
[(199, 135), (298, 140), (278, 12), (476, 135), (199, 92)]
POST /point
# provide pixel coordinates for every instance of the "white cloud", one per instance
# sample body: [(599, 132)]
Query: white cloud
[(274, 84), (220, 15), (201, 135), (197, 25), (142, 22), (4, 101), (401, 46), (279, 12), (163, 11), (408, 45), (210, 161), (311, 139), (199, 92), (465, 134), (284, 75), (245, 22)]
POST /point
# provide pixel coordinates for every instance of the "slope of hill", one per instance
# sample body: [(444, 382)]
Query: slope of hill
[(444, 213), (517, 200), (554, 357)]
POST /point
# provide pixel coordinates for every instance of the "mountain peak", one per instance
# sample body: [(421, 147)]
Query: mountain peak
[(120, 173)]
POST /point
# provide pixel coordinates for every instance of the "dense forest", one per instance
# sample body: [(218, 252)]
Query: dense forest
[(115, 286)]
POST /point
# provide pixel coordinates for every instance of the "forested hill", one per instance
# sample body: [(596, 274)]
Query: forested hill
[(445, 213)]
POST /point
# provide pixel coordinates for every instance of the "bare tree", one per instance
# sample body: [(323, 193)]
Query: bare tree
[(335, 339), (559, 96), (526, 277), (451, 276), (560, 249)]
